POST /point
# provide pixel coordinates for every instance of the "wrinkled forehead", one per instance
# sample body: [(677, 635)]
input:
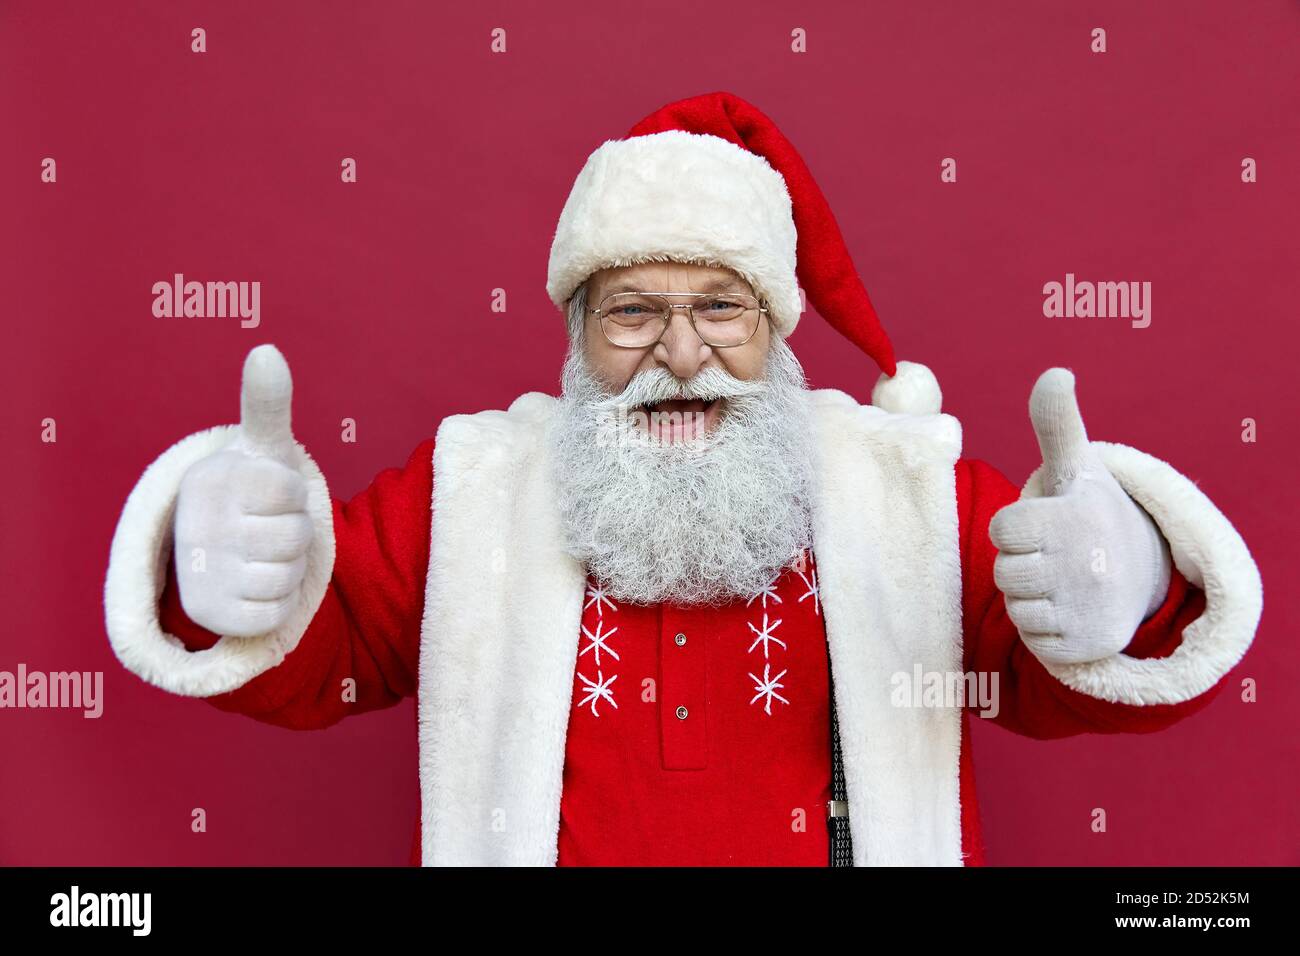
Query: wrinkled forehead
[(667, 276)]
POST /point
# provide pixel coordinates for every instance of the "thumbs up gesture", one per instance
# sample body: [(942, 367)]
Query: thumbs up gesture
[(1082, 566), (242, 529)]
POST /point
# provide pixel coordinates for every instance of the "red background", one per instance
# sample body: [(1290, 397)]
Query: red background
[(225, 166)]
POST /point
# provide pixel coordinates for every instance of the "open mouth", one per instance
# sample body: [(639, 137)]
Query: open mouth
[(681, 419)]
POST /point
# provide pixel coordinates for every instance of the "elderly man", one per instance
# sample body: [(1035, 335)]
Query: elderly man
[(691, 609)]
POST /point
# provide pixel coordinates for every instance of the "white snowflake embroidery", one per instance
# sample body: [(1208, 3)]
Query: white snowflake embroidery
[(768, 687), (598, 642), (767, 592), (596, 596), (813, 591), (598, 690), (765, 636)]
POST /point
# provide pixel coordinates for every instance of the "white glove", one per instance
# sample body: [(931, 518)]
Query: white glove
[(1083, 566), (245, 511)]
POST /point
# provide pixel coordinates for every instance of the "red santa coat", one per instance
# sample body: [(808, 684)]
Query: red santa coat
[(476, 612)]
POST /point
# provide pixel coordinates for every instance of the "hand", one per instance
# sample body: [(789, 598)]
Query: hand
[(1084, 565), (242, 528)]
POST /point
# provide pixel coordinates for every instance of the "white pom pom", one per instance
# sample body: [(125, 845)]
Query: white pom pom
[(912, 391)]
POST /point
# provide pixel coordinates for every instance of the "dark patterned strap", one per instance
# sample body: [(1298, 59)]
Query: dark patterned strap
[(837, 813)]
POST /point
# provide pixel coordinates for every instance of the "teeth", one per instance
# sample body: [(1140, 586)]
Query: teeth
[(679, 405)]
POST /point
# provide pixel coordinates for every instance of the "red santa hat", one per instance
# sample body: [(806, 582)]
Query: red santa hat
[(711, 180)]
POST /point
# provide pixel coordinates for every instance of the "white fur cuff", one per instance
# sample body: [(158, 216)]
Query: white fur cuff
[(137, 572), (1209, 552)]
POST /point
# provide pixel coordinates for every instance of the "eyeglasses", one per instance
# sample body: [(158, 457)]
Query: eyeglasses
[(637, 320)]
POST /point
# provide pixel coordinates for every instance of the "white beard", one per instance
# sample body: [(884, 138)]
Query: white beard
[(698, 522)]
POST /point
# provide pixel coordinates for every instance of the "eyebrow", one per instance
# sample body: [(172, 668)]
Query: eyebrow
[(718, 284)]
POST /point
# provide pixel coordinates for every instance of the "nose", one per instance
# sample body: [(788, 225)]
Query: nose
[(681, 349)]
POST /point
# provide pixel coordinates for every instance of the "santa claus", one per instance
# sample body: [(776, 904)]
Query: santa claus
[(690, 611)]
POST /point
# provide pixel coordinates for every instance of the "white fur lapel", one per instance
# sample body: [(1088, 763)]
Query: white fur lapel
[(886, 539), (503, 606)]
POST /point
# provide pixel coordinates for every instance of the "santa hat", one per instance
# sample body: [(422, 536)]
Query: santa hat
[(711, 180)]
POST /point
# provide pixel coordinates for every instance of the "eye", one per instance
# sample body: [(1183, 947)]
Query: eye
[(720, 308)]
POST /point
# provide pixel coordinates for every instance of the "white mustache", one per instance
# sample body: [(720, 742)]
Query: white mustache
[(659, 385)]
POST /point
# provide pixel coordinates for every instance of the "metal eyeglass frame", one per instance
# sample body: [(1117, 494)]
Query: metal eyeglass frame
[(690, 307)]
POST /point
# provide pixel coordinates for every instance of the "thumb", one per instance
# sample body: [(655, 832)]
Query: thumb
[(264, 402), (1062, 439)]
